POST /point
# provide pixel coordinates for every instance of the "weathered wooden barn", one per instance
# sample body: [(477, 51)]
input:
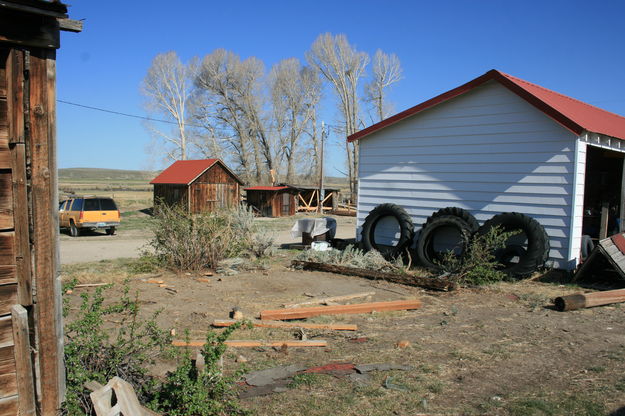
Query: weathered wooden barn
[(285, 200), (498, 144), (198, 185), (32, 377)]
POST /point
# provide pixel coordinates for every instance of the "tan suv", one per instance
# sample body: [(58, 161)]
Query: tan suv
[(88, 213)]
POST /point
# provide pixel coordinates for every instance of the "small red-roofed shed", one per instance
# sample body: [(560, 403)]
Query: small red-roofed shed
[(199, 185), (273, 201)]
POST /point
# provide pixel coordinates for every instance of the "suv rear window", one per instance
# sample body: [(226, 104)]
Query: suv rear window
[(99, 204), (107, 205)]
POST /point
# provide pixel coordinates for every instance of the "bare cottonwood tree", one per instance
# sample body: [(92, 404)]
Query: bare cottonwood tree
[(230, 101), (343, 67), (386, 70), (295, 91), (167, 87)]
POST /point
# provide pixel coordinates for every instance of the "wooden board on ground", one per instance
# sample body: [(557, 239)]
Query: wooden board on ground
[(331, 299), (407, 279), (280, 324), (283, 314), (254, 343)]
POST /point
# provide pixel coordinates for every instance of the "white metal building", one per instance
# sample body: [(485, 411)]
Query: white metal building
[(498, 144)]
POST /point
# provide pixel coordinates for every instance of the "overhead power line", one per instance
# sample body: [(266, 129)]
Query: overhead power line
[(119, 113)]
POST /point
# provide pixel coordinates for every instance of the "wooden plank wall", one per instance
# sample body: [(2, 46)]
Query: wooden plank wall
[(8, 278), (214, 189)]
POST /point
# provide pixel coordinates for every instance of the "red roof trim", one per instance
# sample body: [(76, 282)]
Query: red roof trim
[(572, 114), (266, 188)]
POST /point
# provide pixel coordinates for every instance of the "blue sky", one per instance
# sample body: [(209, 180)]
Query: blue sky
[(573, 47)]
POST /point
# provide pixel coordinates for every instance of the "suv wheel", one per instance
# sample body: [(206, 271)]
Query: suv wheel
[(73, 230), (110, 231)]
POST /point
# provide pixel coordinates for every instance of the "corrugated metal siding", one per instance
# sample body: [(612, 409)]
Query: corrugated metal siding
[(487, 151)]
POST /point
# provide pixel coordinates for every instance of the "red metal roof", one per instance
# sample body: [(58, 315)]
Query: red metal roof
[(183, 172), (266, 188), (573, 114)]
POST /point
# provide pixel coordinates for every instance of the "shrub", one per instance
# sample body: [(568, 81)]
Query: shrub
[(92, 353), (185, 241), (189, 391), (478, 266), (352, 257)]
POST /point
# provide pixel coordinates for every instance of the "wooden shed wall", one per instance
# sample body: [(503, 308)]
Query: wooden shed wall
[(171, 194), (487, 151), (273, 203), (28, 229), (214, 189)]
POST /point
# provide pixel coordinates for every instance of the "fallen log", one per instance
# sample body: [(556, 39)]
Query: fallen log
[(254, 343), (588, 300), (409, 280), (283, 314), (331, 299), (280, 324)]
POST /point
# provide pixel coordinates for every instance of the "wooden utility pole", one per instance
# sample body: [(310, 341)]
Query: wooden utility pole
[(319, 198)]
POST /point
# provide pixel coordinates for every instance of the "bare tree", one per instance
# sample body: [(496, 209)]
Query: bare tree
[(343, 67), (167, 87), (386, 70), (295, 93), (230, 104)]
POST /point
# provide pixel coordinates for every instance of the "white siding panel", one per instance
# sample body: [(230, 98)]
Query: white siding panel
[(487, 151)]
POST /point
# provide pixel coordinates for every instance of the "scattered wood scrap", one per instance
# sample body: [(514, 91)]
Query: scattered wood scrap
[(280, 324), (331, 299), (409, 280), (90, 285), (588, 300), (125, 399), (254, 343), (284, 314)]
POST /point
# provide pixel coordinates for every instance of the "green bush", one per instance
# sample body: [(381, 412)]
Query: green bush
[(185, 241), (478, 265), (204, 391), (94, 354)]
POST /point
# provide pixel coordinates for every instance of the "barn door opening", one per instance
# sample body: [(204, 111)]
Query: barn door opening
[(603, 195)]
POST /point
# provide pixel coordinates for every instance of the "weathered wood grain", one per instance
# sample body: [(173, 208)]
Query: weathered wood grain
[(7, 247), (20, 220), (8, 297), (23, 361), (8, 406), (279, 324), (7, 359), (8, 384), (283, 314), (6, 331), (42, 146), (8, 274)]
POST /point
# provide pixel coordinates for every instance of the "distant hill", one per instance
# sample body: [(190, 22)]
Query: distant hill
[(96, 174)]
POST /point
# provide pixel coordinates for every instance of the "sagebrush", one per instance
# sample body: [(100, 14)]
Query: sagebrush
[(186, 241), (353, 257)]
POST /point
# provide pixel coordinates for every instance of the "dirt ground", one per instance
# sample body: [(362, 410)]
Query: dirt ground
[(499, 350)]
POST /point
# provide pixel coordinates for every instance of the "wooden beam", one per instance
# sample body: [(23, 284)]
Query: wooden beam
[(23, 361), (404, 279), (283, 314), (605, 213), (254, 343), (588, 300), (331, 299), (29, 30), (8, 406), (279, 324), (42, 144), (70, 25)]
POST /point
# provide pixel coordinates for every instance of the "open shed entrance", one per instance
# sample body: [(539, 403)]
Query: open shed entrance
[(603, 192)]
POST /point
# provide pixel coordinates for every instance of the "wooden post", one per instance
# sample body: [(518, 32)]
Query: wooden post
[(45, 228), (605, 213), (587, 300), (23, 363)]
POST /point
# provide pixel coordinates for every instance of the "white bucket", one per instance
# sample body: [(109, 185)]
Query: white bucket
[(320, 246)]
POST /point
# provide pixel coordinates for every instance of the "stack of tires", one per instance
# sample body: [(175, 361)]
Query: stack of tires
[(452, 228)]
